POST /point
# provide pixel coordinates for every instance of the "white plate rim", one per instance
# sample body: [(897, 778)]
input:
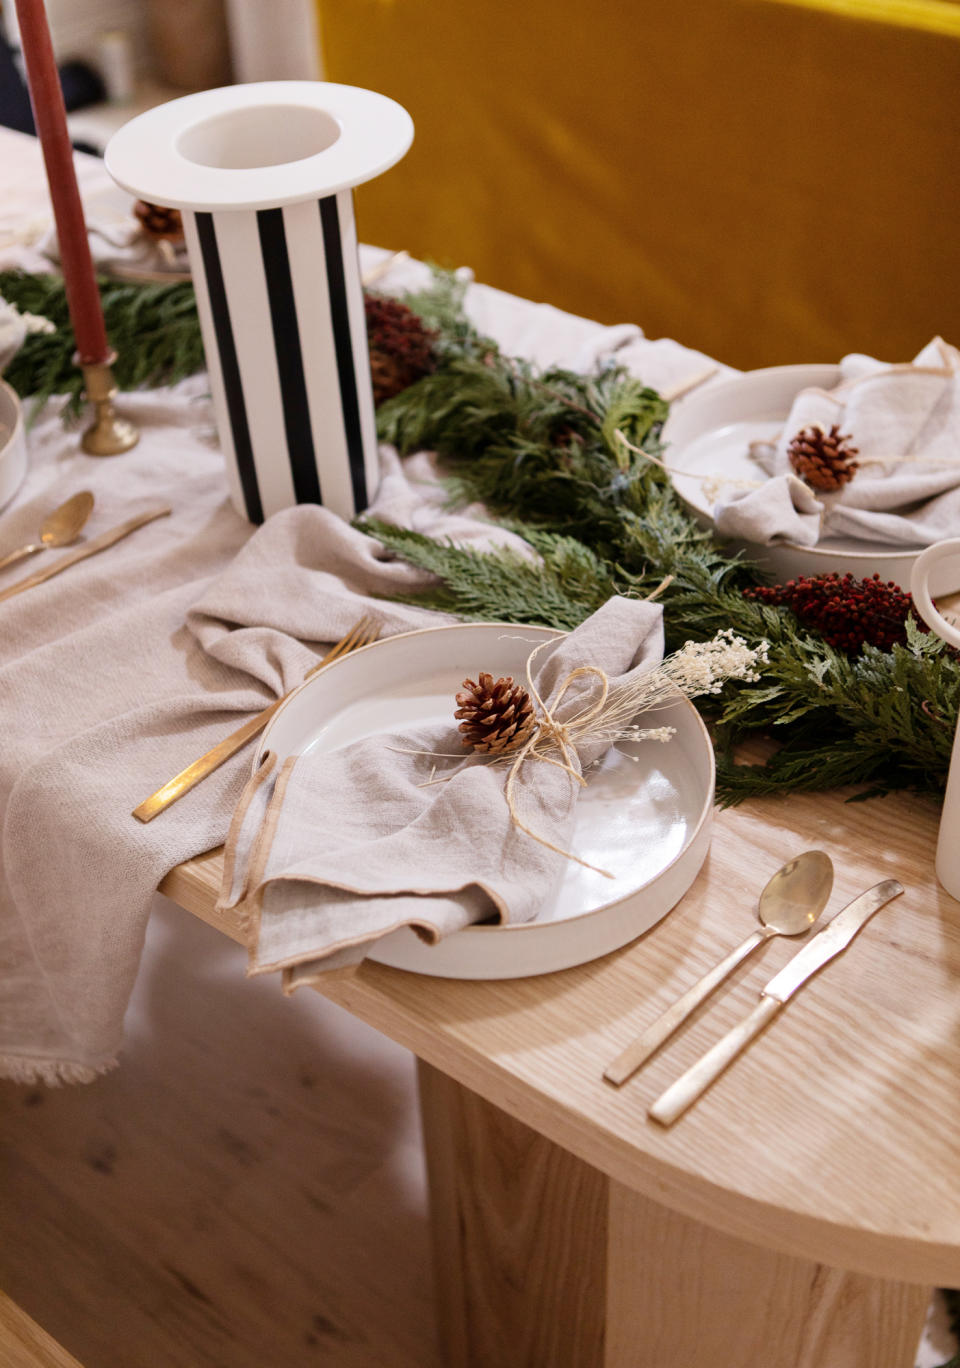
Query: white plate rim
[(704, 816), (14, 453)]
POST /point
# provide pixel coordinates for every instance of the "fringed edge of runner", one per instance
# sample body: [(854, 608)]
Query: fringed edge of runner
[(53, 1073)]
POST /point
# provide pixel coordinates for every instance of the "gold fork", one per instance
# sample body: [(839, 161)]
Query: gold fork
[(361, 634)]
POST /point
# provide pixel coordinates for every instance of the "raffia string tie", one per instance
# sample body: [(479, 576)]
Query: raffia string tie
[(697, 668), (551, 733)]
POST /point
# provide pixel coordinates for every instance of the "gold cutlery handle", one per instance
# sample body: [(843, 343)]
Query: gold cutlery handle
[(21, 553), (689, 1086), (184, 781), (361, 634), (663, 1028), (82, 552)]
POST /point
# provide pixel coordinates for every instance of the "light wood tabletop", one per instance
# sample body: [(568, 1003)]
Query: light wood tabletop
[(833, 1142)]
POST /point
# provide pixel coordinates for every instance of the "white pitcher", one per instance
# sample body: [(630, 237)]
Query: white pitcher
[(936, 572)]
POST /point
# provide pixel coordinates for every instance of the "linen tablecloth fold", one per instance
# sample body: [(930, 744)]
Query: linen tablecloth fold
[(123, 670), (330, 851), (904, 422)]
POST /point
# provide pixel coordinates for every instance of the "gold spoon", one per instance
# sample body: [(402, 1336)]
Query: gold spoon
[(789, 905), (59, 528)]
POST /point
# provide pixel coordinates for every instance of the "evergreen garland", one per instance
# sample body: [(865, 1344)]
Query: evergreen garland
[(541, 451), (154, 328)]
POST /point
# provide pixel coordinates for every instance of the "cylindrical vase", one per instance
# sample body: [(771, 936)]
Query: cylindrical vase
[(262, 175)]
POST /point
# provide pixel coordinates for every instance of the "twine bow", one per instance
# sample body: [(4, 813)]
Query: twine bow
[(550, 732)]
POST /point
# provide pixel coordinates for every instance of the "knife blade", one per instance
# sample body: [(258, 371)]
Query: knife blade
[(822, 948)]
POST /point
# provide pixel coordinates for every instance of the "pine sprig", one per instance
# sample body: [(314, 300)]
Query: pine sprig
[(560, 590), (440, 307), (154, 329)]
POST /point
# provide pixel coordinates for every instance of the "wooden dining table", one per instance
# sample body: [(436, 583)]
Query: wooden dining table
[(797, 1216)]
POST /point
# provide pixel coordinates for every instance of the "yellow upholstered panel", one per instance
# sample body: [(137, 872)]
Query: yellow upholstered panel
[(768, 181)]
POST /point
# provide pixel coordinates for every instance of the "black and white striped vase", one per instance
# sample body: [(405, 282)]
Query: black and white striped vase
[(263, 176)]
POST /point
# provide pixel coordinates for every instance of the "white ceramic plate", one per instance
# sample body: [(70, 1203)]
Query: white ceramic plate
[(13, 444), (710, 433), (647, 820)]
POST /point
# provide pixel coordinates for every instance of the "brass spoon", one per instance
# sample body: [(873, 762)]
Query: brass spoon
[(59, 528), (789, 905)]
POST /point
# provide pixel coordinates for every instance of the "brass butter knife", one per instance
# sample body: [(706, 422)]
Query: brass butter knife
[(89, 548), (825, 944)]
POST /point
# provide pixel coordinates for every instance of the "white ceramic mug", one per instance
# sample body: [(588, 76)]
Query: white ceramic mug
[(936, 572)]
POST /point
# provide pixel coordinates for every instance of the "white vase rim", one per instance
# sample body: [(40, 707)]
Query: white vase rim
[(259, 145)]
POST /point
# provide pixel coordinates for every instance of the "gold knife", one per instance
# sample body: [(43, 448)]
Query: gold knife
[(825, 944), (89, 548)]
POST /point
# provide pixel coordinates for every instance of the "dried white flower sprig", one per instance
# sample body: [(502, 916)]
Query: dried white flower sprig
[(699, 667)]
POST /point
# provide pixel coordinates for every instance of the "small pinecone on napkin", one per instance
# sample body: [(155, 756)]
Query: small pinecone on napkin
[(824, 459), (158, 221), (497, 716)]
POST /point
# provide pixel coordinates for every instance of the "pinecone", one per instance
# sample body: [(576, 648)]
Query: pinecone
[(824, 459), (159, 222), (401, 348), (497, 716)]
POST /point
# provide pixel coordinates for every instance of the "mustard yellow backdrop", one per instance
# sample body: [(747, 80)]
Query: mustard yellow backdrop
[(771, 182)]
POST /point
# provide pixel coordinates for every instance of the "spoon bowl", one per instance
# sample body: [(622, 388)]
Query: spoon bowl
[(59, 528), (796, 895), (64, 524)]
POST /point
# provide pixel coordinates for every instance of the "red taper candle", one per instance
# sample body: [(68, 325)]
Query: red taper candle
[(50, 117)]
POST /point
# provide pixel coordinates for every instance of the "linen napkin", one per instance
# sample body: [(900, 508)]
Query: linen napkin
[(904, 421), (328, 852), (119, 247)]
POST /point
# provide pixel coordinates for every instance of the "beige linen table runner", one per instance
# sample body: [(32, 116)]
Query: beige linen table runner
[(106, 693)]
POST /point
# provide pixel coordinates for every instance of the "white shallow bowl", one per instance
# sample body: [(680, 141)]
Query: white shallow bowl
[(13, 444), (710, 433), (647, 820)]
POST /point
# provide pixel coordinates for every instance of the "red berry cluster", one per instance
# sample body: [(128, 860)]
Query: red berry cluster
[(401, 348), (847, 612)]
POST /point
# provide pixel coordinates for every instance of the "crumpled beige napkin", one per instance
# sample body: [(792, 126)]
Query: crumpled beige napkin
[(329, 852), (906, 415), (118, 247)]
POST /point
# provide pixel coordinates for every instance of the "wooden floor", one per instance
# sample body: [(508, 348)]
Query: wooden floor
[(246, 1191)]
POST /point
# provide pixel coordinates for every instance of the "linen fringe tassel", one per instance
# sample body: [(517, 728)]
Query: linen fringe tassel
[(52, 1073)]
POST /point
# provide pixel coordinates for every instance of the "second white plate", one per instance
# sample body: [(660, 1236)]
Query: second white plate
[(648, 820), (709, 434)]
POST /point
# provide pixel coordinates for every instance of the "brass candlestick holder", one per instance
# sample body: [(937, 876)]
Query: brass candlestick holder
[(108, 435)]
